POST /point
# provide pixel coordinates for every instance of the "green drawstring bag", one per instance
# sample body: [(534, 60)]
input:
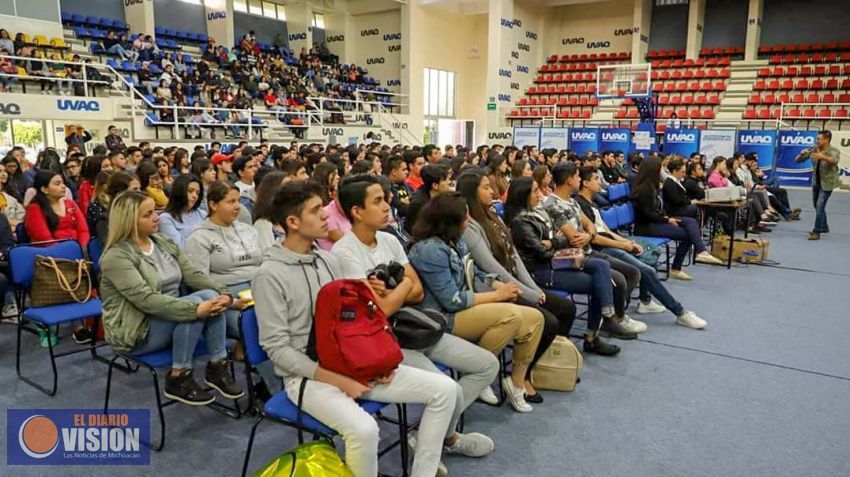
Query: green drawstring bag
[(313, 459)]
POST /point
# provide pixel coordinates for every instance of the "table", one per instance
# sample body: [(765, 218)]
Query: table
[(735, 206)]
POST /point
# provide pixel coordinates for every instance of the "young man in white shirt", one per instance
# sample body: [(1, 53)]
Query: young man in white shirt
[(363, 200)]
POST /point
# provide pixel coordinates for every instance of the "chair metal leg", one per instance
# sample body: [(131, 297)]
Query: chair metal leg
[(49, 392), (402, 435), (251, 444), (108, 385), (159, 407)]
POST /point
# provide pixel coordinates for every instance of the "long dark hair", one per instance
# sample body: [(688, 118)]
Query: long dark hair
[(467, 186), (648, 178), (322, 174), (180, 196), (517, 201), (441, 217), (264, 207), (145, 170), (42, 179)]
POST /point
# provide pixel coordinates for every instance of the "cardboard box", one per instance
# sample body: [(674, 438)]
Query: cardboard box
[(725, 194), (752, 249)]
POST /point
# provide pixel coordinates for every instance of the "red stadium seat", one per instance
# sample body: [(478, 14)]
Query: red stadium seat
[(708, 114), (841, 113), (828, 98), (812, 98), (797, 98), (714, 99), (824, 113), (793, 113), (759, 85), (808, 113), (768, 99), (763, 114)]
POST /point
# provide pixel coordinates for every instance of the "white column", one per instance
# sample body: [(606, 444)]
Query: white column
[(499, 42), (339, 35), (299, 22), (754, 17), (412, 69), (696, 24), (641, 24), (220, 21), (139, 15)]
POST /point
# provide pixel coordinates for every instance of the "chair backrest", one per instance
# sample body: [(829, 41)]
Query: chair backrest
[(609, 216), (622, 215), (22, 258), (250, 331), (499, 208), (95, 251)]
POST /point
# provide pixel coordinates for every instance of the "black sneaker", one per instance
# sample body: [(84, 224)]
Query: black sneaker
[(83, 336), (183, 388), (261, 391), (218, 377), (597, 346), (614, 329)]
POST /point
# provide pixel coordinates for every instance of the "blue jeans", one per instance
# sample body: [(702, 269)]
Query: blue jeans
[(183, 336), (650, 284), (819, 198), (687, 233), (594, 279)]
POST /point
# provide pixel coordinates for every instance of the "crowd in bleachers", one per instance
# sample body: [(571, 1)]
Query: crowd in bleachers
[(476, 234)]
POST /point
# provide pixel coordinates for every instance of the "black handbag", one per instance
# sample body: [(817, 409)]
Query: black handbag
[(418, 328)]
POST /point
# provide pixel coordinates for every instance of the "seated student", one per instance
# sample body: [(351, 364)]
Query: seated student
[(778, 195), (435, 180), (694, 181), (338, 224), (612, 244), (143, 312), (488, 318), (745, 178), (268, 233), (720, 176), (202, 168), (245, 168), (498, 169), (493, 251), (285, 289), (9, 205), (652, 221), (97, 217), (51, 215), (152, 184), (364, 248), (183, 213), (760, 200), (396, 172), (676, 201)]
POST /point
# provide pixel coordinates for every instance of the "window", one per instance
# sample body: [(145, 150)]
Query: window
[(281, 13), (240, 6), (269, 10), (194, 2), (439, 92), (255, 7), (318, 21)]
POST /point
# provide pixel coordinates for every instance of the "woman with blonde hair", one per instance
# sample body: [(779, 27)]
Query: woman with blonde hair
[(143, 311)]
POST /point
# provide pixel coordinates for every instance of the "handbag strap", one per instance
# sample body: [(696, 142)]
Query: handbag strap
[(63, 280)]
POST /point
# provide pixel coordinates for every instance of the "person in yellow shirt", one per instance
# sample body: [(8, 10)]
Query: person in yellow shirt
[(152, 184)]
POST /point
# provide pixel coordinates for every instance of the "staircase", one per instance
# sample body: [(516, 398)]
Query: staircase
[(734, 102)]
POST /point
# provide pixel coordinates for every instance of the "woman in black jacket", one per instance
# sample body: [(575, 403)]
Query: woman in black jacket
[(676, 200), (651, 219), (536, 242)]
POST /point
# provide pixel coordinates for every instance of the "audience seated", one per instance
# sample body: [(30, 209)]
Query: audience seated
[(183, 215)]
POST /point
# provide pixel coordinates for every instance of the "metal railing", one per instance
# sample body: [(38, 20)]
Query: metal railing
[(56, 76)]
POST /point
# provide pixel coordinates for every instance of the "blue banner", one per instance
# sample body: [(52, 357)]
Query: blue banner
[(683, 142), (77, 437), (615, 140), (791, 144), (583, 140), (763, 143)]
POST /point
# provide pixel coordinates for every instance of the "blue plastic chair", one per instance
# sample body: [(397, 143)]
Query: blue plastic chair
[(22, 266), (66, 17), (159, 360), (622, 215), (92, 20), (281, 409), (609, 216), (616, 192), (159, 31), (499, 207), (119, 25), (77, 19)]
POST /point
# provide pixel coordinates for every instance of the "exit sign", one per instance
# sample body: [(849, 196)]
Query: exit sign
[(491, 106)]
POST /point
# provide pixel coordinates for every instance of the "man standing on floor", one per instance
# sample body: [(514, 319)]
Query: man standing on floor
[(824, 179)]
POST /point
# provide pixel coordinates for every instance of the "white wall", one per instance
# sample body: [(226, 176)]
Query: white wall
[(603, 27), (375, 34)]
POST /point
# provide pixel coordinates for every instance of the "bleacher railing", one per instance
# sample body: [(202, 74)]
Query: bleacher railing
[(57, 76)]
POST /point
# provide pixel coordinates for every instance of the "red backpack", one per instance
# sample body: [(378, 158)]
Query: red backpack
[(352, 335)]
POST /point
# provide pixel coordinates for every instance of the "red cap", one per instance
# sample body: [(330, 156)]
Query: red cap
[(219, 158)]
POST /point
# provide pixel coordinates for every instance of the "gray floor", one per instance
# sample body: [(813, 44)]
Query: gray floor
[(762, 391)]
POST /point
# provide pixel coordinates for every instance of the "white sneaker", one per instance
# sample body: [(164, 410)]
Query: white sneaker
[(691, 320), (680, 275), (442, 470), (488, 396), (516, 396), (9, 309), (634, 326), (473, 444), (651, 307)]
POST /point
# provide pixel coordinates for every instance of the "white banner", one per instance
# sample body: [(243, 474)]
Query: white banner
[(526, 137), (717, 143), (841, 140), (31, 106), (554, 138)]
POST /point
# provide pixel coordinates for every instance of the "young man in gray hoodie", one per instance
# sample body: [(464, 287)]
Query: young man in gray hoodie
[(285, 290)]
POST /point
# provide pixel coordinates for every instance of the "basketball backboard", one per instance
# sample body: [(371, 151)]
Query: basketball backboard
[(623, 81)]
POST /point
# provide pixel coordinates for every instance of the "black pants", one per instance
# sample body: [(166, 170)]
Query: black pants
[(558, 316)]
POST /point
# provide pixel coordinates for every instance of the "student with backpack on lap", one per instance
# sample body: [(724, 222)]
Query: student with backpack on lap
[(285, 289), (365, 247)]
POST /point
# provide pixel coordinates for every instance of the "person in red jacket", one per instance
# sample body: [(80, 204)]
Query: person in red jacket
[(51, 216)]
